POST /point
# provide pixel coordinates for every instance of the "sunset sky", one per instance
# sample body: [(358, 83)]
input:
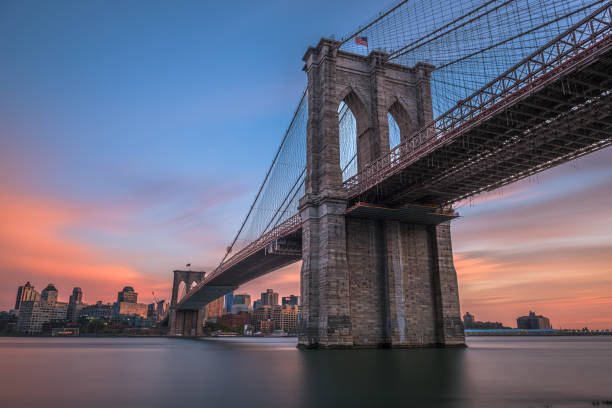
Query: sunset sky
[(133, 138)]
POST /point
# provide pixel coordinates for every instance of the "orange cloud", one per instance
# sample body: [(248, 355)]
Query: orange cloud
[(33, 246)]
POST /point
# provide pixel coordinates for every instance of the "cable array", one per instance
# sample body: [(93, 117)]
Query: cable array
[(278, 196), (470, 42)]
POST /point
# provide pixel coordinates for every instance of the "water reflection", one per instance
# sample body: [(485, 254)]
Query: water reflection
[(159, 372), (409, 377)]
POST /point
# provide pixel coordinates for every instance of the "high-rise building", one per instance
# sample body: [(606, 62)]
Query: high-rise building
[(290, 300), (257, 304), (75, 304), (77, 296), (269, 297), (242, 299), (532, 321), (152, 311), (229, 301), (49, 294), (127, 295), (127, 304), (25, 293), (162, 309), (214, 310)]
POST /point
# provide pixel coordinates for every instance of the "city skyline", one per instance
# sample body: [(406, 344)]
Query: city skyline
[(114, 164), (120, 296)]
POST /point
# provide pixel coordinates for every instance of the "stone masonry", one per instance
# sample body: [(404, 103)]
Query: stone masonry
[(185, 323), (365, 282)]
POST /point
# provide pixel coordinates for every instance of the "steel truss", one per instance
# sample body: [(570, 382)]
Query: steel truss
[(488, 140)]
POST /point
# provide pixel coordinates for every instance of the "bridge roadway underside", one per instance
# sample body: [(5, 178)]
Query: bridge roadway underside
[(252, 267), (571, 115)]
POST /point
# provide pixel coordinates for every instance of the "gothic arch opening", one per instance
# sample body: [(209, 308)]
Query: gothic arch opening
[(352, 124), (399, 124), (348, 141), (395, 134), (182, 290)]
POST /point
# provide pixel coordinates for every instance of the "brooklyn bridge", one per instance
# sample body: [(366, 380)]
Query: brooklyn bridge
[(425, 106)]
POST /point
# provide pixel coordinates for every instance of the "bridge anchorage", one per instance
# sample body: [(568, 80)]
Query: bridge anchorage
[(372, 228)]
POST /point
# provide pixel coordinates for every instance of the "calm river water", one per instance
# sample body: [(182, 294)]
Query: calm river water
[(242, 372)]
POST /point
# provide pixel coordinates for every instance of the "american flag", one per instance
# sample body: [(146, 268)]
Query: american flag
[(361, 41)]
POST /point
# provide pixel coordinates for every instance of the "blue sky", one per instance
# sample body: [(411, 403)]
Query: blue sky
[(156, 119)]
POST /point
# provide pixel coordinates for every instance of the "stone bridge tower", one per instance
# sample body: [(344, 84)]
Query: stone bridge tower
[(369, 282), (185, 322)]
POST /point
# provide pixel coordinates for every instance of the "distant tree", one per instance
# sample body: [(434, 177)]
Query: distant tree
[(210, 327), (8, 325), (95, 326)]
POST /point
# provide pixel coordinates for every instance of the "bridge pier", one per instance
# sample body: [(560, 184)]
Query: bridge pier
[(386, 283), (186, 323), (420, 285)]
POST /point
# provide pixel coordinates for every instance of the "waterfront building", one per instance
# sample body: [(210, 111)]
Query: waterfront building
[(34, 314), (242, 299), (127, 295), (289, 318), (265, 326), (129, 309), (25, 293), (532, 321), (269, 297), (260, 314), (127, 304), (470, 322), (98, 311), (235, 321), (283, 317), (290, 300)]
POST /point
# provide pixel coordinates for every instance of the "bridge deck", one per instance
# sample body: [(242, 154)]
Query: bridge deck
[(568, 117), (252, 262)]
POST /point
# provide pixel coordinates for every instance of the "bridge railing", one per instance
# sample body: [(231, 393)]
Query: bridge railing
[(287, 227), (527, 76), (292, 224)]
